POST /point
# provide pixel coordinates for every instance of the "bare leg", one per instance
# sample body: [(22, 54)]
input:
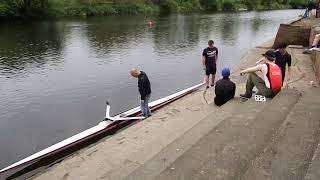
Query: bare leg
[(206, 79), (316, 40), (213, 79)]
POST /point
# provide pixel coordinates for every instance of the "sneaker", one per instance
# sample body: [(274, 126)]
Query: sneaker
[(246, 96), (212, 85), (306, 51), (312, 49)]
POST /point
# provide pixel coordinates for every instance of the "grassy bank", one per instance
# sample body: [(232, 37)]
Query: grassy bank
[(61, 8)]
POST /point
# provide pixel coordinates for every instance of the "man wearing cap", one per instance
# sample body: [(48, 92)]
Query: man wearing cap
[(209, 60), (144, 90), (225, 88), (266, 77)]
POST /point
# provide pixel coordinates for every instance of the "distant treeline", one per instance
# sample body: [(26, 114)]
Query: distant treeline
[(59, 8)]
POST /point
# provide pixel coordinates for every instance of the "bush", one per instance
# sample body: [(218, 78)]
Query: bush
[(298, 4), (165, 6), (279, 6), (228, 6), (2, 9), (189, 6), (97, 10), (137, 9), (80, 8), (42, 8), (251, 4), (171, 5), (168, 6), (10, 8), (209, 5)]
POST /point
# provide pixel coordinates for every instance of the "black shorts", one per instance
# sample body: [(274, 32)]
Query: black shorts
[(211, 69)]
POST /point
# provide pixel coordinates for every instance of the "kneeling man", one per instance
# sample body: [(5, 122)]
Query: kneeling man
[(266, 77)]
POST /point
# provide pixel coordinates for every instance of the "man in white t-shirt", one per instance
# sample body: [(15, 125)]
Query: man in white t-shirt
[(266, 77)]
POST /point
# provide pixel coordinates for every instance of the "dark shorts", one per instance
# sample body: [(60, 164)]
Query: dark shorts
[(211, 69)]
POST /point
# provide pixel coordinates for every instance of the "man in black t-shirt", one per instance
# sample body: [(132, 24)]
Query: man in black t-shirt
[(283, 58), (209, 60)]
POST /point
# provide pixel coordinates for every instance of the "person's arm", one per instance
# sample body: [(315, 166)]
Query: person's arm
[(260, 60), (289, 74), (203, 62), (233, 90), (142, 88), (249, 70), (203, 59), (217, 55)]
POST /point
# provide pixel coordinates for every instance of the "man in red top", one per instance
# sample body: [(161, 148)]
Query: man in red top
[(266, 76)]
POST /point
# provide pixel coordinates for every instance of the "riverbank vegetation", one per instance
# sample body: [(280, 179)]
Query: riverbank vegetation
[(12, 9)]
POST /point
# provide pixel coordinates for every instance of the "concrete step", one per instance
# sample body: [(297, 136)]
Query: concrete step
[(314, 168), (169, 154), (227, 150), (290, 150)]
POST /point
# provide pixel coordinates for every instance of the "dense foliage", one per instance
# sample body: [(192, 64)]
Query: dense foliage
[(54, 8)]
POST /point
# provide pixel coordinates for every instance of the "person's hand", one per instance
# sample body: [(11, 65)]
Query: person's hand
[(260, 60)]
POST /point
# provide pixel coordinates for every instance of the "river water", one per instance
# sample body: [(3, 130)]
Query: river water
[(55, 76)]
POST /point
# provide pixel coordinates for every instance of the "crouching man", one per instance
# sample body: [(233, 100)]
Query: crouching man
[(225, 88), (266, 77)]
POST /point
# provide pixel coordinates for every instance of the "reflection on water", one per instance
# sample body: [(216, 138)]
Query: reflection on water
[(178, 34), (27, 46), (55, 76), (229, 28)]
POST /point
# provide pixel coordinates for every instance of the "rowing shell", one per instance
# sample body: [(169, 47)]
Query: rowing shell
[(108, 124)]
